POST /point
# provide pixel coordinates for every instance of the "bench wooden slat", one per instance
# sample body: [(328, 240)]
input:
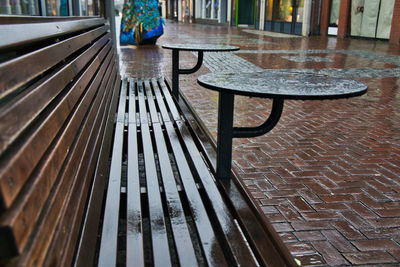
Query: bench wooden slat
[(160, 247), (31, 151), (142, 103), (160, 101), (28, 33), (108, 247), (212, 249), (15, 73), (183, 243), (152, 107), (88, 238), (134, 224), (170, 102), (237, 245), (22, 216)]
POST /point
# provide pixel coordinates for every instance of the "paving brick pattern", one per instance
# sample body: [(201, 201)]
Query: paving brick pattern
[(327, 177)]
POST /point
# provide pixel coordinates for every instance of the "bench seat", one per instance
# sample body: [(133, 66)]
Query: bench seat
[(162, 205)]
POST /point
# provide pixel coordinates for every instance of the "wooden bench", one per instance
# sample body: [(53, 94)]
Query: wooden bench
[(57, 77), (95, 170)]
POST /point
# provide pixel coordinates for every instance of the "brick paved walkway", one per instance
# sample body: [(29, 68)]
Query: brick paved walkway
[(328, 176)]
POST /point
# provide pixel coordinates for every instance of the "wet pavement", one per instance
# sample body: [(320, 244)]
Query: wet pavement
[(328, 175)]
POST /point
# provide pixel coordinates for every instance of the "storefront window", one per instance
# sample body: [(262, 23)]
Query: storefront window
[(285, 10), (300, 11), (208, 9), (19, 7), (216, 8), (84, 10), (93, 7)]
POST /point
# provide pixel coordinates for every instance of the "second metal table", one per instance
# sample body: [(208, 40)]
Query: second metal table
[(277, 85), (200, 48)]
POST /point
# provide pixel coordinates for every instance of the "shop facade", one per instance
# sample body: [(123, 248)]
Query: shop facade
[(376, 19), (284, 16), (206, 11)]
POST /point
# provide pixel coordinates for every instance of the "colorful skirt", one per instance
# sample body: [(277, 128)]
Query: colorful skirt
[(141, 22)]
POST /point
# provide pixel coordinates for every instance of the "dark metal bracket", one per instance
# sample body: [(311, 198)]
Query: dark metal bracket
[(268, 125), (176, 71), (195, 68)]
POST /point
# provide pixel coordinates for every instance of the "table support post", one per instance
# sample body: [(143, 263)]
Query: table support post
[(195, 68), (225, 135), (268, 125), (175, 73)]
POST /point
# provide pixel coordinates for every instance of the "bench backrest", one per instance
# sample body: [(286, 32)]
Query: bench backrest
[(56, 82)]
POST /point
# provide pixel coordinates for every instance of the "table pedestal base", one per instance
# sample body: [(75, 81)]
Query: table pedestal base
[(226, 131)]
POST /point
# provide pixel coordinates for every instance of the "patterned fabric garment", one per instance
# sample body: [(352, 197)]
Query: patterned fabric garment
[(141, 22)]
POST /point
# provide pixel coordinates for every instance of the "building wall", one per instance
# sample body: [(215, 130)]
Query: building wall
[(344, 18), (395, 31), (314, 23), (325, 14)]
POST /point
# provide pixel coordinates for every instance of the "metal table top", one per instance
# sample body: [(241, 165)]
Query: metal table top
[(286, 85), (201, 47)]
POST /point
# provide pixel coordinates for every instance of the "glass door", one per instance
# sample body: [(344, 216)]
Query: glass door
[(371, 18), (334, 17), (285, 16), (245, 12)]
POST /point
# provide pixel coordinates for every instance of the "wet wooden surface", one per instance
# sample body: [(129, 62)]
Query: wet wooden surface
[(54, 99)]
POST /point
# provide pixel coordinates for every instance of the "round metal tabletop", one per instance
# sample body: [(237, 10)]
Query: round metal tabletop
[(201, 47), (287, 85)]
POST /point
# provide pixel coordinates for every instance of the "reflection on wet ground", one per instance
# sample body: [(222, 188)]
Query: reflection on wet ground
[(328, 176)]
